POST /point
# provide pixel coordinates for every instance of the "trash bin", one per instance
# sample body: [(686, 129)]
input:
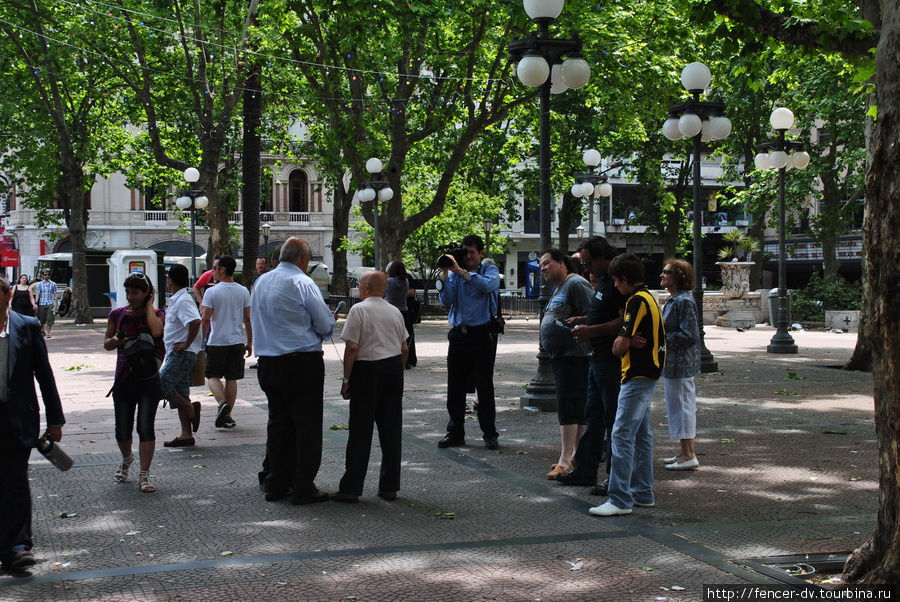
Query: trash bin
[(773, 306)]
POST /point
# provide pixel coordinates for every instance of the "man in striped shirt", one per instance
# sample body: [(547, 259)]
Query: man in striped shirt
[(642, 346), (47, 291)]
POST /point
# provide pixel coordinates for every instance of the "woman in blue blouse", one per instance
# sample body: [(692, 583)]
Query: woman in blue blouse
[(680, 317)]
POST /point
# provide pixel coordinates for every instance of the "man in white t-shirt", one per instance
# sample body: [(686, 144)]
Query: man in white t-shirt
[(182, 345), (225, 308), (374, 357)]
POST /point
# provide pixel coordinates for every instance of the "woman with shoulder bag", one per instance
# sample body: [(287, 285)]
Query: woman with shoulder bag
[(135, 332), (402, 296)]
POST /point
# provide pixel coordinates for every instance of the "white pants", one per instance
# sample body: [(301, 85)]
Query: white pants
[(681, 407)]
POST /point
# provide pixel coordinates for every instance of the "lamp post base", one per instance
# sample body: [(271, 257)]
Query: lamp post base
[(541, 390), (708, 364), (782, 343)]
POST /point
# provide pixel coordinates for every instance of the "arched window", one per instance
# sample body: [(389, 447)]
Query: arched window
[(298, 191)]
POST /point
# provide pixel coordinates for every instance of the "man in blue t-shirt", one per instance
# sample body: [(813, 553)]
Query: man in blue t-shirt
[(470, 293)]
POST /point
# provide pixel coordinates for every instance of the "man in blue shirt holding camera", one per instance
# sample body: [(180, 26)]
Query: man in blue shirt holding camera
[(470, 293)]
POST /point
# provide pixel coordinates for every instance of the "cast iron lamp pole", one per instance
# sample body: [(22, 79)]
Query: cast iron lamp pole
[(374, 191), (591, 185), (539, 63), (701, 121), (192, 199), (782, 119)]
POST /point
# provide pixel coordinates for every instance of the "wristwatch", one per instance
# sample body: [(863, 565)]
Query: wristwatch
[(345, 381)]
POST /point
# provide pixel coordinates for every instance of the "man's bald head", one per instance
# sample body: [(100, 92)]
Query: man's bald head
[(373, 284), (297, 251)]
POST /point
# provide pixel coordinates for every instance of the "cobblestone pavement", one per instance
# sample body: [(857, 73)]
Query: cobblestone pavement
[(788, 465)]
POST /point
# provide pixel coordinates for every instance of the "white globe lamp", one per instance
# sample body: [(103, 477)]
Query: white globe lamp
[(575, 72), (781, 119), (689, 125), (374, 165), (695, 76), (670, 129), (533, 70)]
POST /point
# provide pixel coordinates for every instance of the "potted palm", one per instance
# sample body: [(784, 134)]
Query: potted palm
[(736, 262)]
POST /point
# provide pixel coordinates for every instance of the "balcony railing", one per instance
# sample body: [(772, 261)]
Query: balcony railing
[(156, 217), (298, 217), (266, 216), (236, 217)]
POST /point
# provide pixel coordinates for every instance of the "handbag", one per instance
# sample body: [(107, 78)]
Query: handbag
[(198, 372)]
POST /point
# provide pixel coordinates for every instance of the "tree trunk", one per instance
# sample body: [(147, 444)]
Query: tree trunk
[(878, 561), (566, 212), (75, 213), (340, 224), (251, 169)]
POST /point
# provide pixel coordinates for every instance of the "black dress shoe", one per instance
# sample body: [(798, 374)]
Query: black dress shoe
[(602, 488), (310, 498), (572, 479), (340, 496), (491, 442), (388, 495), (277, 494), (451, 441)]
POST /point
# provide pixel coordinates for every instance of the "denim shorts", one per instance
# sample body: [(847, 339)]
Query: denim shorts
[(175, 375)]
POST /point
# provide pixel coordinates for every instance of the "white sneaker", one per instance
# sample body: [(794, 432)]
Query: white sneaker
[(670, 460), (608, 509), (692, 464), (644, 505)]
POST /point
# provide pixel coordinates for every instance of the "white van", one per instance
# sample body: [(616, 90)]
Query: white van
[(322, 277)]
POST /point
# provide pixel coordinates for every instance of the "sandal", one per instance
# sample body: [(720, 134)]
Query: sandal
[(144, 482), (122, 471)]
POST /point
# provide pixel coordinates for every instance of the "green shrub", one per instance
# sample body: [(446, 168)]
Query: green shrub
[(823, 294)]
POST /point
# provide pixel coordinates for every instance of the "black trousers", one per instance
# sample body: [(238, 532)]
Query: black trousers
[(470, 358), (293, 385), (376, 394), (408, 321), (15, 493)]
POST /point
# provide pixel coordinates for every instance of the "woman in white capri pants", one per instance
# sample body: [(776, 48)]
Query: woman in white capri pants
[(680, 317)]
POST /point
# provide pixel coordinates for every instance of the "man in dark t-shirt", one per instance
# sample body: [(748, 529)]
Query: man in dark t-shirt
[(599, 327)]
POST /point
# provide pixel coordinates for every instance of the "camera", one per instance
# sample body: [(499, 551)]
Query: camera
[(457, 252)]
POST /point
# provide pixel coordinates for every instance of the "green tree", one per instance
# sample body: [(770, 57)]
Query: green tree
[(854, 30), (57, 130)]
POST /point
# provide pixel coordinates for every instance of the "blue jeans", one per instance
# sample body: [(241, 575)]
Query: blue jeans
[(599, 414), (631, 478)]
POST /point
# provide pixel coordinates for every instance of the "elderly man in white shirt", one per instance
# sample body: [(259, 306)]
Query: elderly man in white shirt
[(374, 357), (291, 320)]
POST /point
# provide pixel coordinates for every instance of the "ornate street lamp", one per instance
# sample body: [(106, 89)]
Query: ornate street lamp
[(701, 121), (374, 191), (265, 229), (487, 236), (554, 65), (782, 119), (192, 199), (592, 185)]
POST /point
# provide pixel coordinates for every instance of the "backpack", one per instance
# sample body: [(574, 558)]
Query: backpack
[(141, 358)]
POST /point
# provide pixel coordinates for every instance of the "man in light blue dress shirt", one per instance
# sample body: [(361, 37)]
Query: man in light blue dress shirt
[(290, 320), (470, 293)]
